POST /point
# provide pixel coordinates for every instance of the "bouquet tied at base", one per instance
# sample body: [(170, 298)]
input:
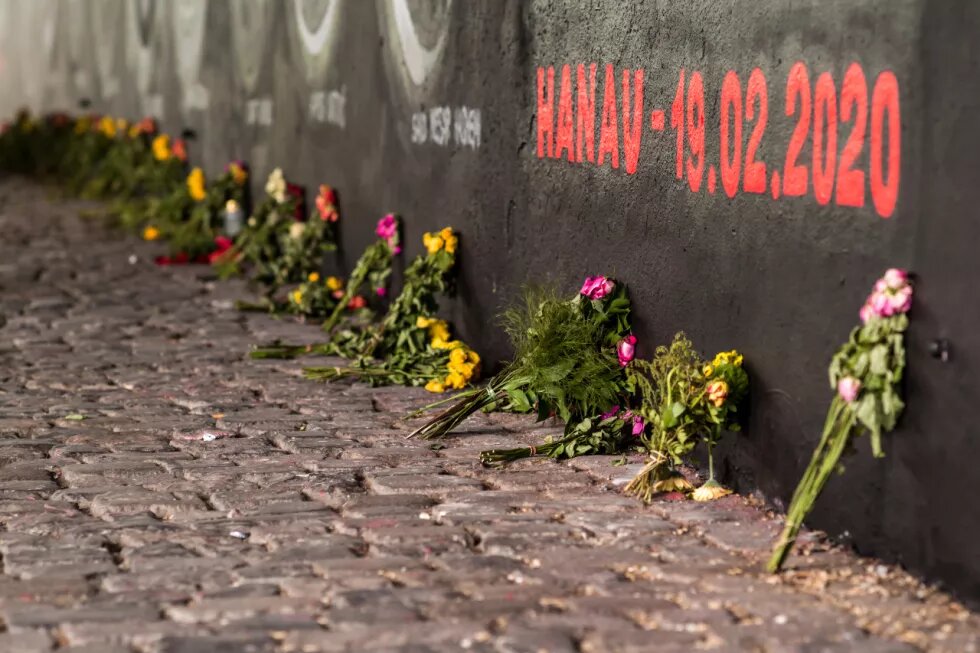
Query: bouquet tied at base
[(866, 374)]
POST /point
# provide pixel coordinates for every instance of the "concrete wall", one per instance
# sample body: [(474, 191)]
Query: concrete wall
[(461, 113)]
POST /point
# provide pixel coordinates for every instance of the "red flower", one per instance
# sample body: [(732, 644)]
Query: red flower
[(179, 149), (326, 202), (296, 192), (356, 302), (177, 259), (221, 245)]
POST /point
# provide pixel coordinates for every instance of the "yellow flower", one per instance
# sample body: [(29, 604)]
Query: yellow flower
[(456, 381), (432, 243), (195, 185), (474, 357), (121, 124), (83, 125), (297, 296), (435, 386), (151, 233), (673, 483), (238, 173), (107, 126), (442, 343), (439, 330), (134, 131), (161, 147), (708, 370), (334, 283), (457, 357), (449, 240), (423, 322), (738, 360), (313, 277)]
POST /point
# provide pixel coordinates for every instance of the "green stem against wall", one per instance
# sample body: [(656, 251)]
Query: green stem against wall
[(836, 434)]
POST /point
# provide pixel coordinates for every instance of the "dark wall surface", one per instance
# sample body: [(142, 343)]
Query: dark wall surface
[(851, 147)]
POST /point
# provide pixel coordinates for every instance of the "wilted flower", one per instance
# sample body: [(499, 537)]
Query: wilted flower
[(638, 426), (435, 386), (710, 491), (612, 412), (717, 393), (848, 388), (195, 185), (597, 287), (626, 350), (276, 186)]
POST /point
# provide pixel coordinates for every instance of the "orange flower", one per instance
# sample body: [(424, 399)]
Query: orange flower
[(179, 149), (356, 302), (717, 393)]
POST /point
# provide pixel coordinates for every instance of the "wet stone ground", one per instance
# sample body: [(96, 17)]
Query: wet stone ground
[(160, 492)]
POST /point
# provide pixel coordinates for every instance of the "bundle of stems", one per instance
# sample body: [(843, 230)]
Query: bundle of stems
[(826, 458)]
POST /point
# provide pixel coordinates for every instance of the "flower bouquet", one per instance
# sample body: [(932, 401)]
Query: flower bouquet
[(866, 373), (408, 346), (684, 400), (565, 360)]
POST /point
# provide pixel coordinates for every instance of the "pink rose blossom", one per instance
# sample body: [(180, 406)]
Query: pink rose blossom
[(848, 388), (626, 350), (901, 301), (597, 287), (387, 227), (881, 305), (880, 286), (896, 278), (638, 425), (867, 312)]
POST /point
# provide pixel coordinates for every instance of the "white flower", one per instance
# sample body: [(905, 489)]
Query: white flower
[(276, 186), (296, 230)]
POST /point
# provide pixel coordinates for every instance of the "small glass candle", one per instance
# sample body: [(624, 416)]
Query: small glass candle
[(234, 218)]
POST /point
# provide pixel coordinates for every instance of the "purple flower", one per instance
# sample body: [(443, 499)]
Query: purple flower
[(848, 388), (597, 287), (626, 350), (380, 292), (609, 413)]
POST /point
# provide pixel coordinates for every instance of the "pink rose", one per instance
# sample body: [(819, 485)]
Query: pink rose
[(895, 278), (881, 304), (597, 287), (626, 350), (387, 227), (638, 426), (848, 388), (880, 285), (901, 301), (866, 312)]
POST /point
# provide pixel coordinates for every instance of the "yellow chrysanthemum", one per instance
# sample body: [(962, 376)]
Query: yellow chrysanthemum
[(334, 283), (439, 330), (456, 381), (458, 357), (432, 243), (313, 277), (708, 370), (151, 233), (442, 343), (435, 386), (122, 124), (195, 185), (423, 322), (474, 357), (296, 296), (710, 491), (161, 147), (238, 173), (449, 240)]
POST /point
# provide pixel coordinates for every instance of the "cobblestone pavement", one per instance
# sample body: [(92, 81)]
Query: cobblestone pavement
[(163, 493)]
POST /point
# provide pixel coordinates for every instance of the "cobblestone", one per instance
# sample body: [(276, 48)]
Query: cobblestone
[(162, 493)]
